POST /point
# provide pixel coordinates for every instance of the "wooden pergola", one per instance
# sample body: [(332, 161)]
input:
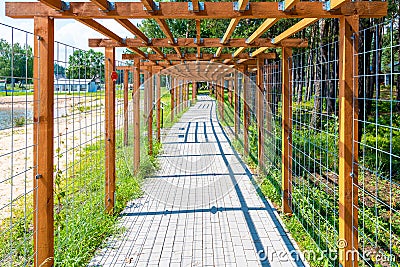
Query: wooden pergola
[(45, 11)]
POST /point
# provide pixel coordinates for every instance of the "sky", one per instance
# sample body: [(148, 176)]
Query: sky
[(66, 31)]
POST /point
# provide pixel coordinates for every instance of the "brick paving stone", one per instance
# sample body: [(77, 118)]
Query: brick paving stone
[(200, 209)]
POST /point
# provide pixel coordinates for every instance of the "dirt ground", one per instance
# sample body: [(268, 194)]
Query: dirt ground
[(80, 121)]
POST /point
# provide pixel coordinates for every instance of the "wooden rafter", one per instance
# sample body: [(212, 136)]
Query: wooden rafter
[(334, 4), (267, 24), (138, 51), (294, 29), (55, 4), (101, 29), (195, 5), (193, 57), (212, 10), (133, 29), (164, 27), (190, 42), (288, 4), (104, 5)]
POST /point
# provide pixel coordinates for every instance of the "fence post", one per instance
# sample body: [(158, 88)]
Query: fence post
[(260, 113), (194, 90), (246, 114), (126, 89), (145, 95), (109, 128), (158, 90), (172, 92), (348, 150), (222, 96), (149, 112), (43, 152), (236, 101), (286, 132), (136, 114)]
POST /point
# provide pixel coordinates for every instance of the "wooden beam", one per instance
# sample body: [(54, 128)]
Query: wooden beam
[(198, 33), (241, 5), (139, 52), (149, 5), (286, 133), (43, 148), (335, 4), (164, 27), (195, 4), (229, 31), (133, 29), (268, 23), (136, 115), (109, 130), (149, 98), (54, 4), (190, 42), (304, 23), (193, 57), (348, 148), (100, 28), (158, 104), (104, 5), (212, 10), (126, 103), (238, 51), (288, 4)]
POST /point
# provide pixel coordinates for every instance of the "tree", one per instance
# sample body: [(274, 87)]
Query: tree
[(16, 62), (85, 65)]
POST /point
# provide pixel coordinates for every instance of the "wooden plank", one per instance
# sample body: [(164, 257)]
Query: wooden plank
[(172, 92), (55, 4), (304, 23), (136, 114), (335, 4), (43, 149), (212, 10), (246, 111), (242, 4), (158, 99), (348, 149), (229, 31), (190, 42), (238, 51), (164, 27), (100, 28), (139, 52), (195, 4), (260, 114), (102, 4), (109, 120), (267, 24), (288, 4), (193, 57), (133, 29), (126, 103), (149, 87), (286, 133), (236, 104), (158, 51), (198, 33), (148, 4)]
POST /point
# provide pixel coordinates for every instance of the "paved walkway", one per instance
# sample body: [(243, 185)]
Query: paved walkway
[(201, 208)]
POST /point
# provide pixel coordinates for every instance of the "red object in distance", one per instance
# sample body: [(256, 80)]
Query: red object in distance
[(114, 76)]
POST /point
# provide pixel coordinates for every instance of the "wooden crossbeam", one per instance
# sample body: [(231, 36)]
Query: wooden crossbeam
[(212, 10), (294, 29), (104, 5), (192, 57), (133, 29), (268, 23), (55, 4), (101, 29), (138, 52), (190, 42)]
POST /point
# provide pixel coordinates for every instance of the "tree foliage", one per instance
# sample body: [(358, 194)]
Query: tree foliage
[(15, 61), (85, 65)]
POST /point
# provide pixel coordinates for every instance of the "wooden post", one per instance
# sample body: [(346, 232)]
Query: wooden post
[(178, 97), (158, 89), (136, 115), (172, 92), (145, 96), (232, 92), (222, 97), (246, 113), (260, 114), (236, 104), (43, 150), (229, 92), (348, 149), (286, 132), (149, 113), (194, 91), (109, 129), (126, 89)]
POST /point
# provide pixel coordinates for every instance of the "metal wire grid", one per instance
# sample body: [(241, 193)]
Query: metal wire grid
[(272, 126), (16, 149), (78, 135), (314, 87), (377, 141)]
